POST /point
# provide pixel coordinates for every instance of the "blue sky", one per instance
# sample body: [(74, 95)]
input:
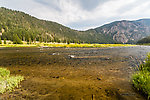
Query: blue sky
[(82, 14)]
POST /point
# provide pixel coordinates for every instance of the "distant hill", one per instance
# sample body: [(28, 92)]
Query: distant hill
[(144, 40), (29, 28), (125, 31)]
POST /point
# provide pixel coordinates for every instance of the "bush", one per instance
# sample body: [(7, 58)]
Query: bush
[(7, 82), (141, 82), (9, 42), (141, 79), (4, 72)]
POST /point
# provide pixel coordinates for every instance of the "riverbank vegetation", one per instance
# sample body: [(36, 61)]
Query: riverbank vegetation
[(87, 45), (7, 82), (72, 45), (141, 79)]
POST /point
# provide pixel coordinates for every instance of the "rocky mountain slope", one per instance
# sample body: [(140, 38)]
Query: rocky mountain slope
[(125, 31)]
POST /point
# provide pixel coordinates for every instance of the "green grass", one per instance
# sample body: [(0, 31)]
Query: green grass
[(141, 79), (7, 82)]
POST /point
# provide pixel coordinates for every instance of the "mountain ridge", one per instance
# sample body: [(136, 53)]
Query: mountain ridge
[(126, 31), (30, 28)]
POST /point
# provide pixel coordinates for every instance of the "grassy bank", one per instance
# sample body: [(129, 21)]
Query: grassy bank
[(64, 45), (141, 79), (7, 82)]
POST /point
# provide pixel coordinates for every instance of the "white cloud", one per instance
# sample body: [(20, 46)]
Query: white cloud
[(72, 12), (140, 10)]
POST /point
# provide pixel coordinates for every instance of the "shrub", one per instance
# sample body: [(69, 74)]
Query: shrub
[(141, 79), (4, 72), (9, 42), (7, 82), (141, 82)]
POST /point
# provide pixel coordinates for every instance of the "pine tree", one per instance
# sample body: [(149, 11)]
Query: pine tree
[(30, 41), (16, 39), (79, 42), (40, 39), (68, 42), (0, 41), (5, 41)]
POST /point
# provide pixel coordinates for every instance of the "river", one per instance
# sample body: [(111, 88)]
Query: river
[(74, 73)]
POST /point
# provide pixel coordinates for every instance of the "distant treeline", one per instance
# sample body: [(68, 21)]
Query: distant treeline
[(144, 40)]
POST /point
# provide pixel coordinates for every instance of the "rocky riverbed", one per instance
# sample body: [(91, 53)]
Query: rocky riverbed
[(73, 73)]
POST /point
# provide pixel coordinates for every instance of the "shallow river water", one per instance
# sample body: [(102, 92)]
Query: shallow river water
[(74, 73)]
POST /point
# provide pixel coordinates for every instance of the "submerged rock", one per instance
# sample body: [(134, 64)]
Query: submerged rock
[(98, 78)]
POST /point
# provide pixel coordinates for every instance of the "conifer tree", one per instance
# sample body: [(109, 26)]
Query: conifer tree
[(16, 39), (0, 41), (5, 41)]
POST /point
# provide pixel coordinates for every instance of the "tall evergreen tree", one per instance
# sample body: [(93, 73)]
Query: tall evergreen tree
[(68, 42), (0, 41), (5, 41), (16, 39)]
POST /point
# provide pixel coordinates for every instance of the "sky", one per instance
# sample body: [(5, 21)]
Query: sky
[(82, 14)]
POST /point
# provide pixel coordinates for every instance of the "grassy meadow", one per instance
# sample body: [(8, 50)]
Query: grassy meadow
[(72, 45)]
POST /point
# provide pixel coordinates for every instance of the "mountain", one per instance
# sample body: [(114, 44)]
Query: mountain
[(144, 21), (125, 31), (29, 28)]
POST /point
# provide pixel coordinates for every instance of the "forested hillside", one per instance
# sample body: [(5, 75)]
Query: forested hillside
[(28, 28), (18, 25)]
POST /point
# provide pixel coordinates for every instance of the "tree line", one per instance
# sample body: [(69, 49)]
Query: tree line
[(19, 35)]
